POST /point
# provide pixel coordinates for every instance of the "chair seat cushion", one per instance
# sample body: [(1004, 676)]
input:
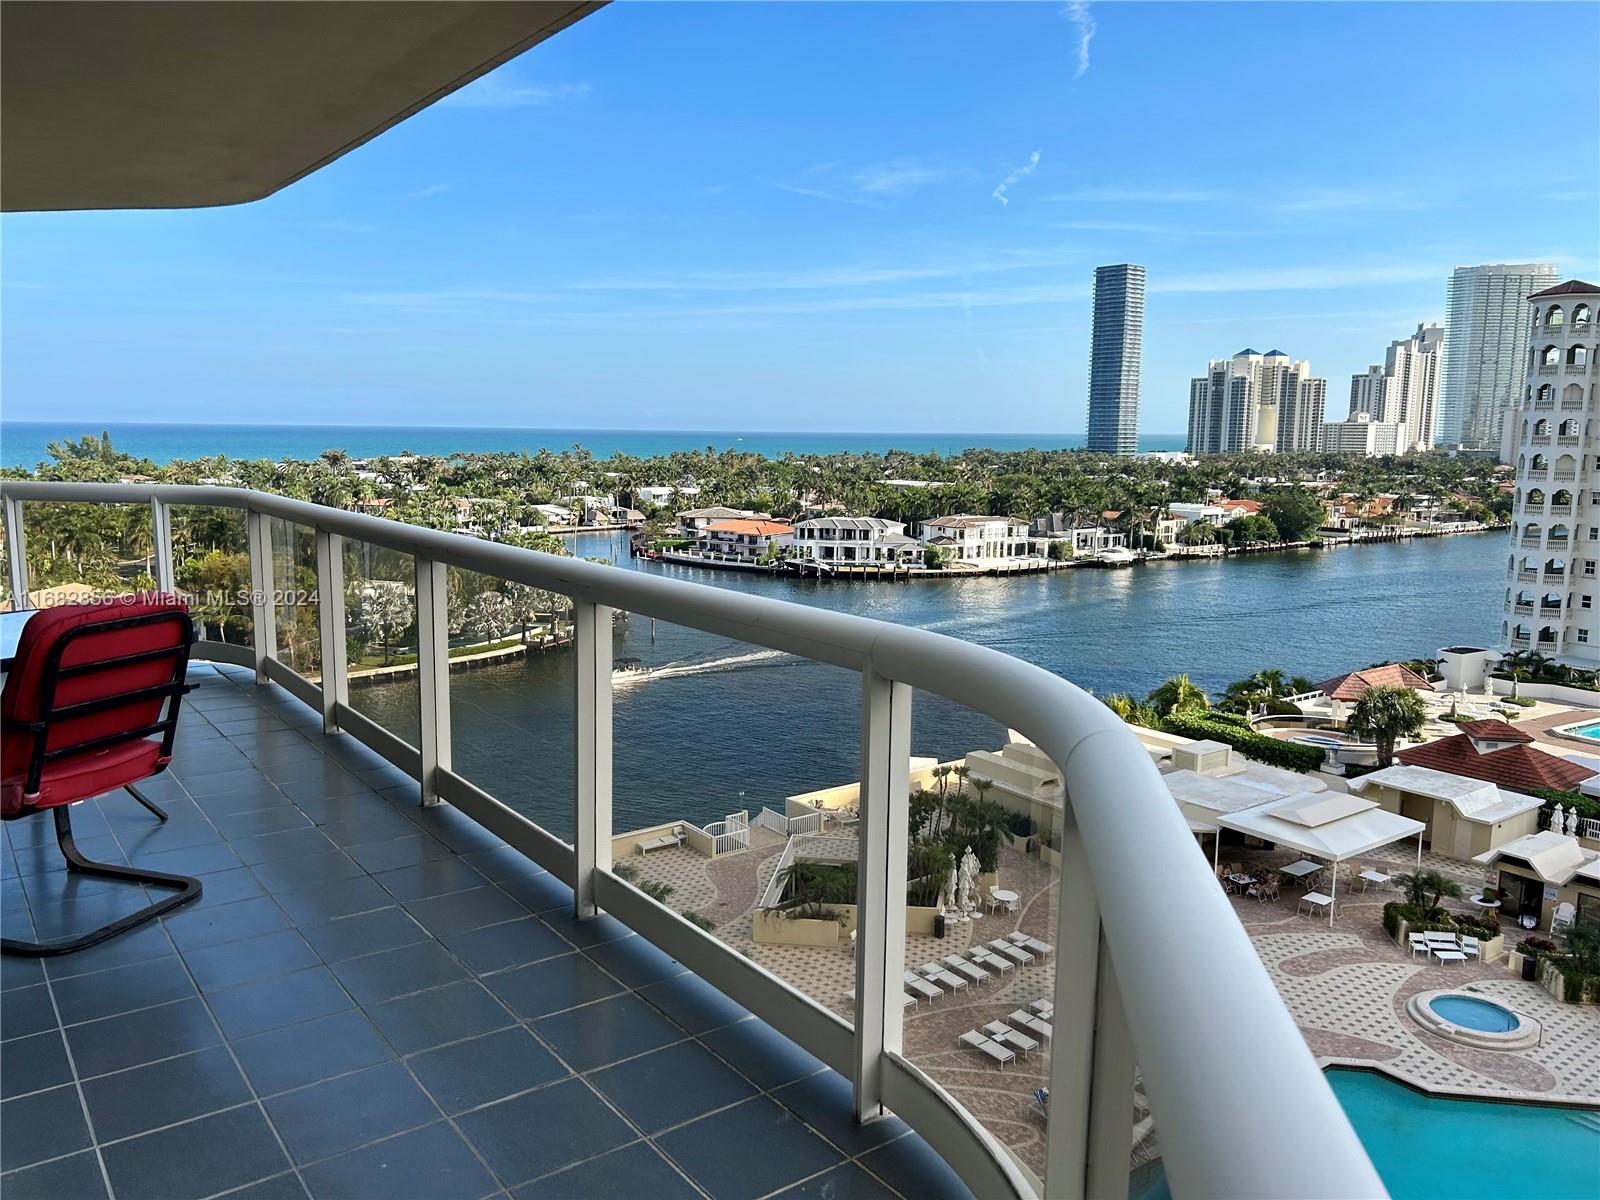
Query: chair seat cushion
[(80, 777)]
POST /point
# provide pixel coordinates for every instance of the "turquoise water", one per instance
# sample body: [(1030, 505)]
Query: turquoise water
[(1592, 732), (1472, 1013), (22, 443), (1428, 1148)]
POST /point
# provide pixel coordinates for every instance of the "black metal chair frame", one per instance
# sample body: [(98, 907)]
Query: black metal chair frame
[(172, 692)]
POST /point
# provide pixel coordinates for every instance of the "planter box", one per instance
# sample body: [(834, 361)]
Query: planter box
[(1015, 842), (1489, 949), (1048, 855)]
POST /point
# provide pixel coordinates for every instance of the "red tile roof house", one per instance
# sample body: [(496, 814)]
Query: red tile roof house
[(1498, 753), (746, 538), (1344, 690)]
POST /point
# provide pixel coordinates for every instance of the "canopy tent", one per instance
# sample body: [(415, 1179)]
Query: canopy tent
[(1332, 826)]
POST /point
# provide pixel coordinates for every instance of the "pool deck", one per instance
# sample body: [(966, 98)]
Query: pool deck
[(1347, 987)]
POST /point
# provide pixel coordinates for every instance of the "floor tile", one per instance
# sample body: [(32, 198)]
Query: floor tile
[(844, 1182), (825, 1101), (198, 1158), (592, 932), (509, 944), (461, 911), (190, 929), (375, 978), (502, 862), (606, 1032), (138, 945), (670, 1086), (391, 854), (436, 877), (117, 1043), (342, 898), (275, 847), (76, 1177), (226, 887), (761, 1053), (627, 1174), (26, 1011), (34, 1063), (552, 985), (276, 1002), (279, 1187), (439, 1015), (788, 1150), (53, 1124), (310, 1051), (121, 989), (431, 1163), (363, 933), (164, 1093), (229, 965), (313, 870), (16, 971), (202, 861), (537, 893), (693, 1003), (340, 1114), (468, 1074), (259, 821), (910, 1166), (635, 961), (574, 1124)]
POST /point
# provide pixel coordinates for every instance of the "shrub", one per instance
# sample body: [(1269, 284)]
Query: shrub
[(1235, 732), (1588, 807), (1020, 825), (695, 918), (1519, 701), (656, 889), (1535, 946)]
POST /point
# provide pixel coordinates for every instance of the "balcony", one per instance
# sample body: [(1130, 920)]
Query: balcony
[(393, 970), (1539, 439), (1557, 576), (1560, 510), (1561, 476), (1522, 610), (1527, 576), (1543, 405)]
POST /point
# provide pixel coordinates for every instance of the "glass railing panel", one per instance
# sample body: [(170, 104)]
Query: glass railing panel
[(380, 620), (751, 757), (211, 566), (294, 597), (78, 552), (977, 787), (6, 604), (512, 695)]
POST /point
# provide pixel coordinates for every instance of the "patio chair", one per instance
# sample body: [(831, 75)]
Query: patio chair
[(973, 1040), (989, 960), (1563, 916), (91, 706), (1041, 1007), (1041, 1097), (1470, 947), (971, 970), (1418, 942)]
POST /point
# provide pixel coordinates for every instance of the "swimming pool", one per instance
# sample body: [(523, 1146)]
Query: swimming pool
[(1592, 732), (1472, 1013), (1312, 739), (1475, 1149)]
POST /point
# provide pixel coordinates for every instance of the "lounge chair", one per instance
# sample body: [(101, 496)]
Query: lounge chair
[(987, 958), (1041, 1007), (973, 1040), (1029, 943), (918, 986), (1012, 951), (934, 973), (1007, 1036), (962, 967), (1030, 1024)]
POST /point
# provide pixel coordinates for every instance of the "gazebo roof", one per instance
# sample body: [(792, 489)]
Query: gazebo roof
[(1327, 825)]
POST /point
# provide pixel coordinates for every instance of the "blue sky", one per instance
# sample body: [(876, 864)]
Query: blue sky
[(852, 217)]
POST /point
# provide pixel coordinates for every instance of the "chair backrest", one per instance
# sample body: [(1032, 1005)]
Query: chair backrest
[(88, 677), (1564, 911)]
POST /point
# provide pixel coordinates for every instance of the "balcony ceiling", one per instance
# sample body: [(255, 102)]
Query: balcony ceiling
[(169, 104)]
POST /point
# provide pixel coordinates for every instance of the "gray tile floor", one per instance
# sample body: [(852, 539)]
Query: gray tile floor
[(376, 1000)]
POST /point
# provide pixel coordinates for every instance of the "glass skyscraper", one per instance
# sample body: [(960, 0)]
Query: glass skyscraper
[(1116, 346), (1485, 346)]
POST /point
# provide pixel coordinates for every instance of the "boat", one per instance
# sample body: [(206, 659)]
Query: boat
[(625, 671)]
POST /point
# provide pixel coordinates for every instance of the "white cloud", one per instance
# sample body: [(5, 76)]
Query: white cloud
[(872, 184), (1017, 175), (433, 189), (1077, 11), (496, 91)]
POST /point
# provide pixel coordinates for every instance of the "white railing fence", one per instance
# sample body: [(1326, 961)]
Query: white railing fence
[(1142, 927), (729, 834), (807, 822)]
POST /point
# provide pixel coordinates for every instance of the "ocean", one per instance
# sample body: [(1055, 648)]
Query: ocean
[(22, 443)]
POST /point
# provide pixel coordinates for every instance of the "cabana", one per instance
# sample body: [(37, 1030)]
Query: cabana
[(1332, 826)]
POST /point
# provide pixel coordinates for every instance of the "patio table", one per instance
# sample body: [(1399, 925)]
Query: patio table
[(1316, 900), (1371, 876), (1302, 870), (1445, 956)]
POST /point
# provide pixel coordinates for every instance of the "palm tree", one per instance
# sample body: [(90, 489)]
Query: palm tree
[(1424, 889), (1178, 694), (1385, 714)]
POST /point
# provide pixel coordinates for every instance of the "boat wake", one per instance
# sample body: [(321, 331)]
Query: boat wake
[(737, 662)]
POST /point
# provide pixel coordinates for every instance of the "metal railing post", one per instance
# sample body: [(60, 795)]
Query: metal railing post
[(330, 628), (1110, 1089), (592, 845), (161, 542), (1073, 1044), (263, 614), (881, 883), (16, 553), (433, 674)]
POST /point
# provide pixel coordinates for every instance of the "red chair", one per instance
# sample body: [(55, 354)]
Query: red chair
[(83, 715)]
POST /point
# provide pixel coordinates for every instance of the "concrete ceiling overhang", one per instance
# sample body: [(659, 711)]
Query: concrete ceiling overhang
[(192, 103)]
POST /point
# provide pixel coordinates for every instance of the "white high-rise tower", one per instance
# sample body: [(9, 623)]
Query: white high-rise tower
[(1552, 600), (1485, 338)]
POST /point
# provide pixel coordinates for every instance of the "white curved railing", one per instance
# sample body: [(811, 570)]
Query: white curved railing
[(1153, 972)]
